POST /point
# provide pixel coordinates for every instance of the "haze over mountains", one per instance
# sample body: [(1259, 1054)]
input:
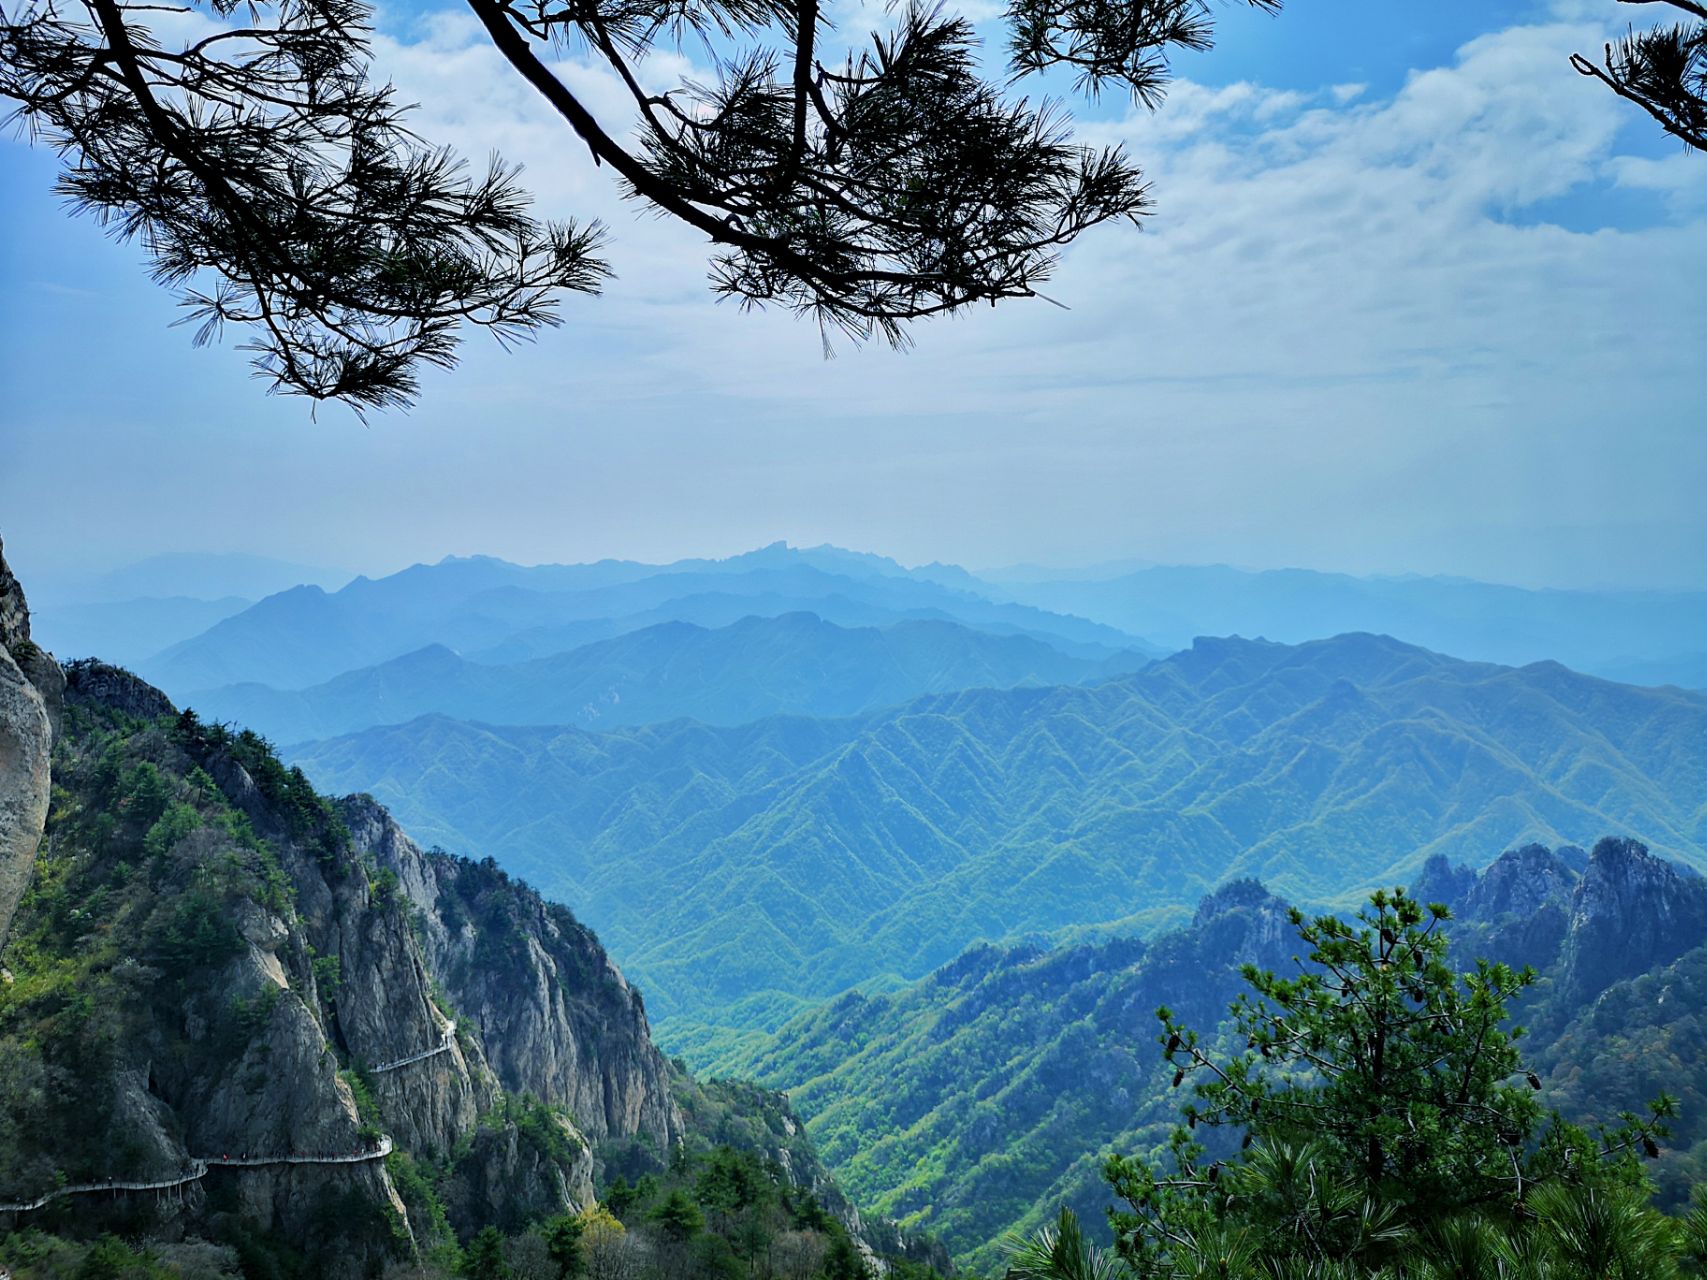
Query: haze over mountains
[(800, 794), (740, 871), (198, 623), (759, 776), (795, 663), (1653, 636)]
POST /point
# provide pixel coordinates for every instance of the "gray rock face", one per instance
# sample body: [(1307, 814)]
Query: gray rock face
[(1442, 881), (14, 609), (504, 1180), (249, 1056), (1631, 911), (116, 688), (1521, 882), (557, 1017), (26, 744)]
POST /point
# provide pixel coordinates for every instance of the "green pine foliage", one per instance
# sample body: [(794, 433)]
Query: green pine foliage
[(720, 1211), (1387, 1127)]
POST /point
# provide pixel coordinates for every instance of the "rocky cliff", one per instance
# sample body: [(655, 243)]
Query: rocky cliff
[(272, 1021), (29, 695), (215, 989), (1588, 921), (560, 1021)]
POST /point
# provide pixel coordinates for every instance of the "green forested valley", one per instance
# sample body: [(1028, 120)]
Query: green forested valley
[(739, 870), (988, 1094)]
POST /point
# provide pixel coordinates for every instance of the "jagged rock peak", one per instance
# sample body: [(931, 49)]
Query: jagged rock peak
[(1623, 876), (1521, 882), (1237, 895), (1243, 923), (1630, 912), (1444, 882), (14, 610), (558, 1019)]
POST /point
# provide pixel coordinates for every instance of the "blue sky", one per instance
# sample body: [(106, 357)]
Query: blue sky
[(1415, 298)]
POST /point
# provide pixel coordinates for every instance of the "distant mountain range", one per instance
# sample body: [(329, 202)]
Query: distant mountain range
[(1653, 636), (193, 623), (505, 612), (128, 615), (794, 664), (790, 858)]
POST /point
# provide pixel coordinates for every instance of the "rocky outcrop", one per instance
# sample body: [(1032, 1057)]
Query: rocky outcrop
[(116, 689), (1589, 919), (273, 1011), (1631, 912), (29, 701), (1521, 882), (509, 1178), (559, 1020), (1444, 882)]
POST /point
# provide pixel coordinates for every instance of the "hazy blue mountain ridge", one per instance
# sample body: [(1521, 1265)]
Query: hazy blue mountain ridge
[(132, 630), (307, 636), (1653, 634), (803, 857), (794, 664)]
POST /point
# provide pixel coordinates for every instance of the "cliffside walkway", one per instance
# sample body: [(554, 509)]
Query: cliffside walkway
[(442, 1047), (199, 1166)]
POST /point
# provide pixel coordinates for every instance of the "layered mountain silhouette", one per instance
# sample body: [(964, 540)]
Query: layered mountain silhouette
[(791, 858), (494, 610), (795, 664)]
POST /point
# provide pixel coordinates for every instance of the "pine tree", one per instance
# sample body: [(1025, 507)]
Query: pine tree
[(1379, 1105), (1663, 70), (272, 177)]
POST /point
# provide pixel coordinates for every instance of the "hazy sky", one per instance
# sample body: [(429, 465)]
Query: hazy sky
[(1416, 297)]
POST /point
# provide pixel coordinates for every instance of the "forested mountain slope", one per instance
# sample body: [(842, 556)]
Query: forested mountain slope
[(800, 857), (795, 664), (987, 1093), (234, 1011)]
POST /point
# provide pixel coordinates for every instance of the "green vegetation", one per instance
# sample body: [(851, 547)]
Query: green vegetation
[(801, 858), (978, 1099), (141, 876), (1386, 1129), (968, 1103), (33, 1255), (724, 1212), (155, 994)]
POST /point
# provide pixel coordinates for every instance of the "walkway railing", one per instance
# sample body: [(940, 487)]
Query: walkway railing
[(442, 1047), (199, 1165)]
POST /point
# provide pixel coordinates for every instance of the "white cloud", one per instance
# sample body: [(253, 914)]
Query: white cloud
[(1338, 295), (1351, 336)]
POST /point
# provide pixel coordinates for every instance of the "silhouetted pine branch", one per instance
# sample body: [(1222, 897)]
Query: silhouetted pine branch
[(1662, 70), (277, 186)]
